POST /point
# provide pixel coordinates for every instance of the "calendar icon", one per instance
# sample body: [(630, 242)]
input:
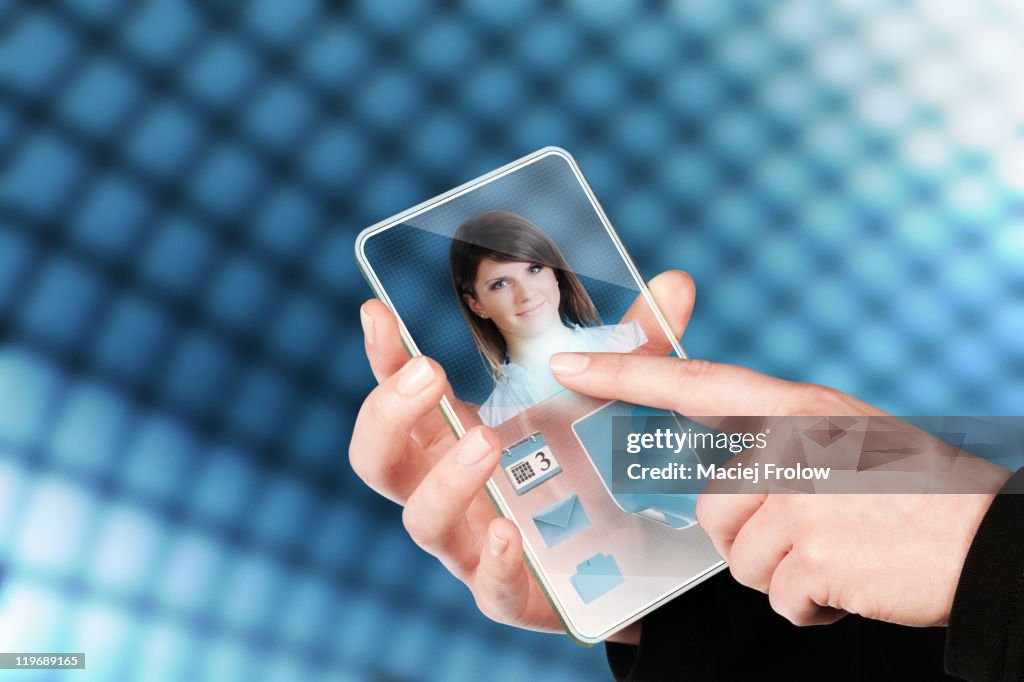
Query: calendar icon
[(529, 463)]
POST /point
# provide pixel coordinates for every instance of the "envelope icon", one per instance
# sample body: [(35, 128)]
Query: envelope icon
[(595, 576), (561, 520)]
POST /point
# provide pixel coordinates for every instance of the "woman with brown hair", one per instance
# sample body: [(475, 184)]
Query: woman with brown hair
[(523, 303)]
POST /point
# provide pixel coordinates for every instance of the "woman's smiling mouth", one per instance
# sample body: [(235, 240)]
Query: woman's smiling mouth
[(530, 311)]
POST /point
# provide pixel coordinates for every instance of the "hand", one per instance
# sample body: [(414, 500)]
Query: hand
[(893, 557), (403, 448)]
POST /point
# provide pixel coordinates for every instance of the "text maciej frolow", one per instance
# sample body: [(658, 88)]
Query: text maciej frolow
[(753, 472)]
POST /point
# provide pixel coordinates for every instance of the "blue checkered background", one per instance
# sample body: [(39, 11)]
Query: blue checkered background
[(181, 184)]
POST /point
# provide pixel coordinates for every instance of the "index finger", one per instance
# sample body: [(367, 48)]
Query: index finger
[(690, 387), (383, 340), (380, 451)]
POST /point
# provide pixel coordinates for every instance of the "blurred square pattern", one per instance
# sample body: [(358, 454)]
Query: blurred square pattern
[(181, 362)]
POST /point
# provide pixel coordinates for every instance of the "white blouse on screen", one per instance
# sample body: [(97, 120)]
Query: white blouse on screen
[(518, 389)]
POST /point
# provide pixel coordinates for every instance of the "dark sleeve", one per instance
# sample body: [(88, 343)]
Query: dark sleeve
[(985, 640), (721, 630)]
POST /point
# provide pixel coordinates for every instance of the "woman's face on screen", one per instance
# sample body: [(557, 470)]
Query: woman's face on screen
[(522, 298)]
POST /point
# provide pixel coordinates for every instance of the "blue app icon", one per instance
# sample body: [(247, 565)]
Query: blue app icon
[(529, 463), (596, 576), (677, 510), (561, 520)]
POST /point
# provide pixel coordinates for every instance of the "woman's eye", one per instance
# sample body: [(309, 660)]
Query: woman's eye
[(500, 284), (535, 268)]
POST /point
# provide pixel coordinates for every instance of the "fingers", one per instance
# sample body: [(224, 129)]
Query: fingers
[(761, 555), (379, 448), (386, 353), (502, 586), (382, 339), (673, 292), (723, 516), (435, 514), (691, 387), (797, 594), (489, 560), (760, 545)]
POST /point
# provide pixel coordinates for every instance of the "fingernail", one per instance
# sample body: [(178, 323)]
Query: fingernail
[(496, 545), (368, 331), (415, 376), (569, 363), (474, 449)]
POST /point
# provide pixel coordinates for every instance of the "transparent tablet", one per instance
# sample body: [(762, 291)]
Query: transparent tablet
[(489, 280)]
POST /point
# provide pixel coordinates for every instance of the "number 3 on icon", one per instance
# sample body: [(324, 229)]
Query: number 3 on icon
[(545, 462)]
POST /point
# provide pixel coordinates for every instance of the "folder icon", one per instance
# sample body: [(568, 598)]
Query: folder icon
[(595, 576), (561, 520)]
